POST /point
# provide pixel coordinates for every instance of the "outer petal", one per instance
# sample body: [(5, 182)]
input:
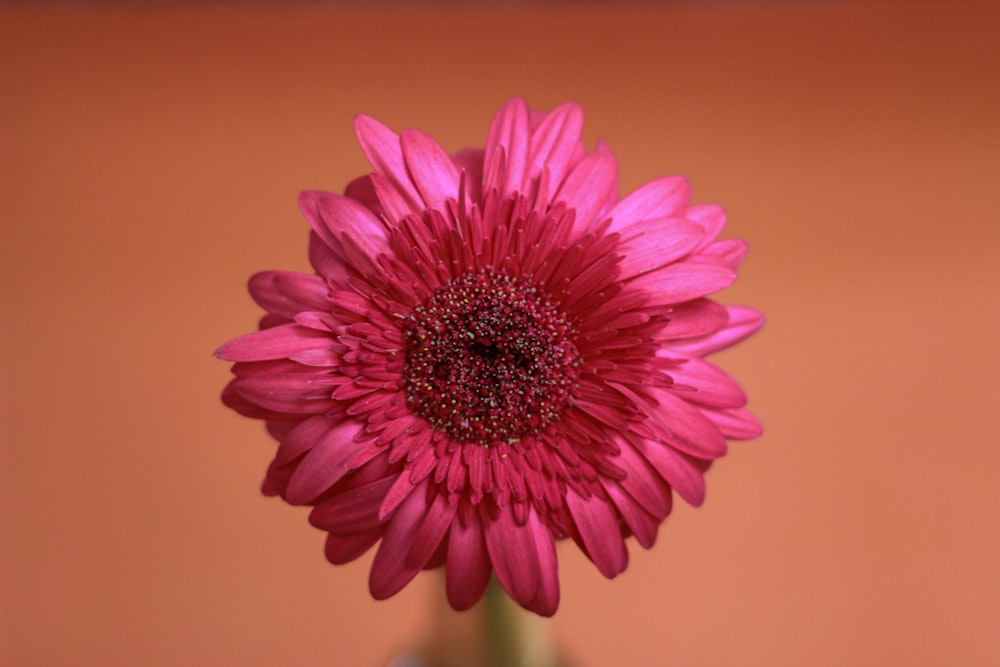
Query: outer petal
[(333, 217), (555, 143), (712, 386), (683, 281), (468, 566), (278, 342), (588, 187), (597, 524), (736, 423), (663, 198), (514, 556), (325, 464), (685, 426), (653, 244), (683, 472), (390, 569), (431, 170), (743, 322), (382, 147), (506, 155), (287, 293)]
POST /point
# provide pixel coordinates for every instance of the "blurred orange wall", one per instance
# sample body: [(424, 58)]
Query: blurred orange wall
[(149, 163)]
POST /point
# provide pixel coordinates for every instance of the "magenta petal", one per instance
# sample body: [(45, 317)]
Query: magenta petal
[(432, 530), (711, 218), (685, 426), (390, 570), (512, 551), (341, 549), (395, 206), (643, 525), (681, 471), (431, 170), (546, 600), (694, 318), (300, 439), (653, 244), (683, 281), (588, 187), (507, 147), (287, 293), (341, 216), (325, 464), (353, 510), (663, 198), (282, 392), (468, 566), (642, 482), (554, 144), (743, 322), (597, 524), (712, 386), (731, 251), (278, 342), (470, 161), (385, 153), (736, 423)]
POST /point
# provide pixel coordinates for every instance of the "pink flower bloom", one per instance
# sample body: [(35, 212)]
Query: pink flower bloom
[(495, 353)]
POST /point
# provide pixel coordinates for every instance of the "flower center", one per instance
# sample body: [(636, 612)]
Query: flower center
[(489, 358)]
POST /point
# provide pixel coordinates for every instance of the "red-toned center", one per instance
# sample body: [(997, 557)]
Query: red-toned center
[(489, 359)]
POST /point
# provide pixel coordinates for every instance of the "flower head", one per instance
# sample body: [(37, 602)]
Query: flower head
[(495, 352)]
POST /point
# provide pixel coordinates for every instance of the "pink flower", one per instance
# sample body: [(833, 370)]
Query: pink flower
[(495, 353)]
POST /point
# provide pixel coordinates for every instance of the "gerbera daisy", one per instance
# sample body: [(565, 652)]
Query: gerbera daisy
[(495, 352)]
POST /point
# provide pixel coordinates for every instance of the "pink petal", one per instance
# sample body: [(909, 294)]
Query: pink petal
[(354, 510), (341, 216), (663, 198), (395, 206), (694, 318), (341, 549), (468, 567), (431, 531), (685, 426), (736, 423), (651, 245), (507, 147), (283, 392), (362, 191), (714, 387), (325, 464), (642, 524), (743, 322), (287, 293), (597, 524), (390, 569), (303, 437), (470, 161), (731, 251), (588, 187), (683, 281), (383, 150), (555, 142), (546, 600), (512, 552), (324, 260), (711, 218), (683, 472), (642, 482), (278, 342), (430, 168)]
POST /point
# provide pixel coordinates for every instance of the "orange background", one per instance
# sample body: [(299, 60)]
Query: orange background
[(150, 163)]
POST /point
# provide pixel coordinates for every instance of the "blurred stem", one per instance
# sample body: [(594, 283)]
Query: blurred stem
[(496, 632)]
